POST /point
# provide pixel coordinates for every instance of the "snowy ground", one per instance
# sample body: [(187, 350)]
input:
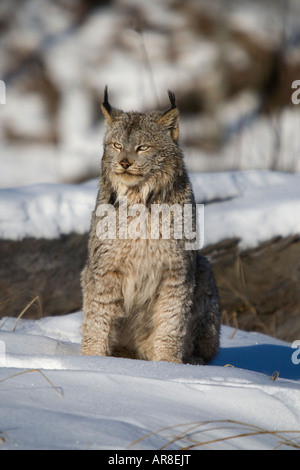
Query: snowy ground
[(66, 401)]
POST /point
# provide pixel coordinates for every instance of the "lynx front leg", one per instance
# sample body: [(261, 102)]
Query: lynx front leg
[(171, 314), (102, 307)]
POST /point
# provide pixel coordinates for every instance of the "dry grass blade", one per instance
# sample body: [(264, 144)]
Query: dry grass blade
[(217, 426), (238, 294), (241, 275), (251, 431), (154, 433), (190, 440), (182, 435), (36, 299), (275, 375), (41, 373), (188, 435), (245, 434), (231, 321)]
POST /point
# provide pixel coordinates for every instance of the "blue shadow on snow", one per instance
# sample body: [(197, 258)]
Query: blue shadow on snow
[(263, 358)]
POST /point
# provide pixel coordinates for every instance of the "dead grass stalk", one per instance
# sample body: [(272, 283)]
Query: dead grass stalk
[(189, 438)]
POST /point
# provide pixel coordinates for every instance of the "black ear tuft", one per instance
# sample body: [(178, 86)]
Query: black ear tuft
[(106, 104), (107, 108), (172, 99)]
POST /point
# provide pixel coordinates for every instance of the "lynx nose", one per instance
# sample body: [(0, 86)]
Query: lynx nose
[(125, 163)]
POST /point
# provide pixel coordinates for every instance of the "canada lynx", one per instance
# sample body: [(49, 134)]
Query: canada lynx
[(146, 297)]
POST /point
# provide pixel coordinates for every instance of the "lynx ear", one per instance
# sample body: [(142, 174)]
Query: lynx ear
[(109, 112), (169, 119), (106, 107)]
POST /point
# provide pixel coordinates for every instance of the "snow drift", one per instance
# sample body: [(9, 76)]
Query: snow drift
[(80, 402)]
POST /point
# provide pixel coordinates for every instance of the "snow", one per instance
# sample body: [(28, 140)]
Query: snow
[(46, 210), (68, 401), (266, 205), (253, 206)]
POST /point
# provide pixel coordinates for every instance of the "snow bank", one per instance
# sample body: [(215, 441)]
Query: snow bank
[(109, 403), (46, 210), (253, 206)]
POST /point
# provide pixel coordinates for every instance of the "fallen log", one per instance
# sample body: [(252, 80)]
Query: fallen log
[(259, 288)]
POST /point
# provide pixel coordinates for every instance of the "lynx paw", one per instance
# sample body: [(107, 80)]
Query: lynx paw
[(167, 358)]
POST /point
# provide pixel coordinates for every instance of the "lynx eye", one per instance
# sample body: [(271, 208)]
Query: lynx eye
[(117, 146), (143, 148)]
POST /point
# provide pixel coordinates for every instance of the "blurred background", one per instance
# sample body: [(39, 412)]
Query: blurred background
[(230, 63)]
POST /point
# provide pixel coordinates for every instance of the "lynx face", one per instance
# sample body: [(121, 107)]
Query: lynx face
[(131, 152), (137, 145)]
